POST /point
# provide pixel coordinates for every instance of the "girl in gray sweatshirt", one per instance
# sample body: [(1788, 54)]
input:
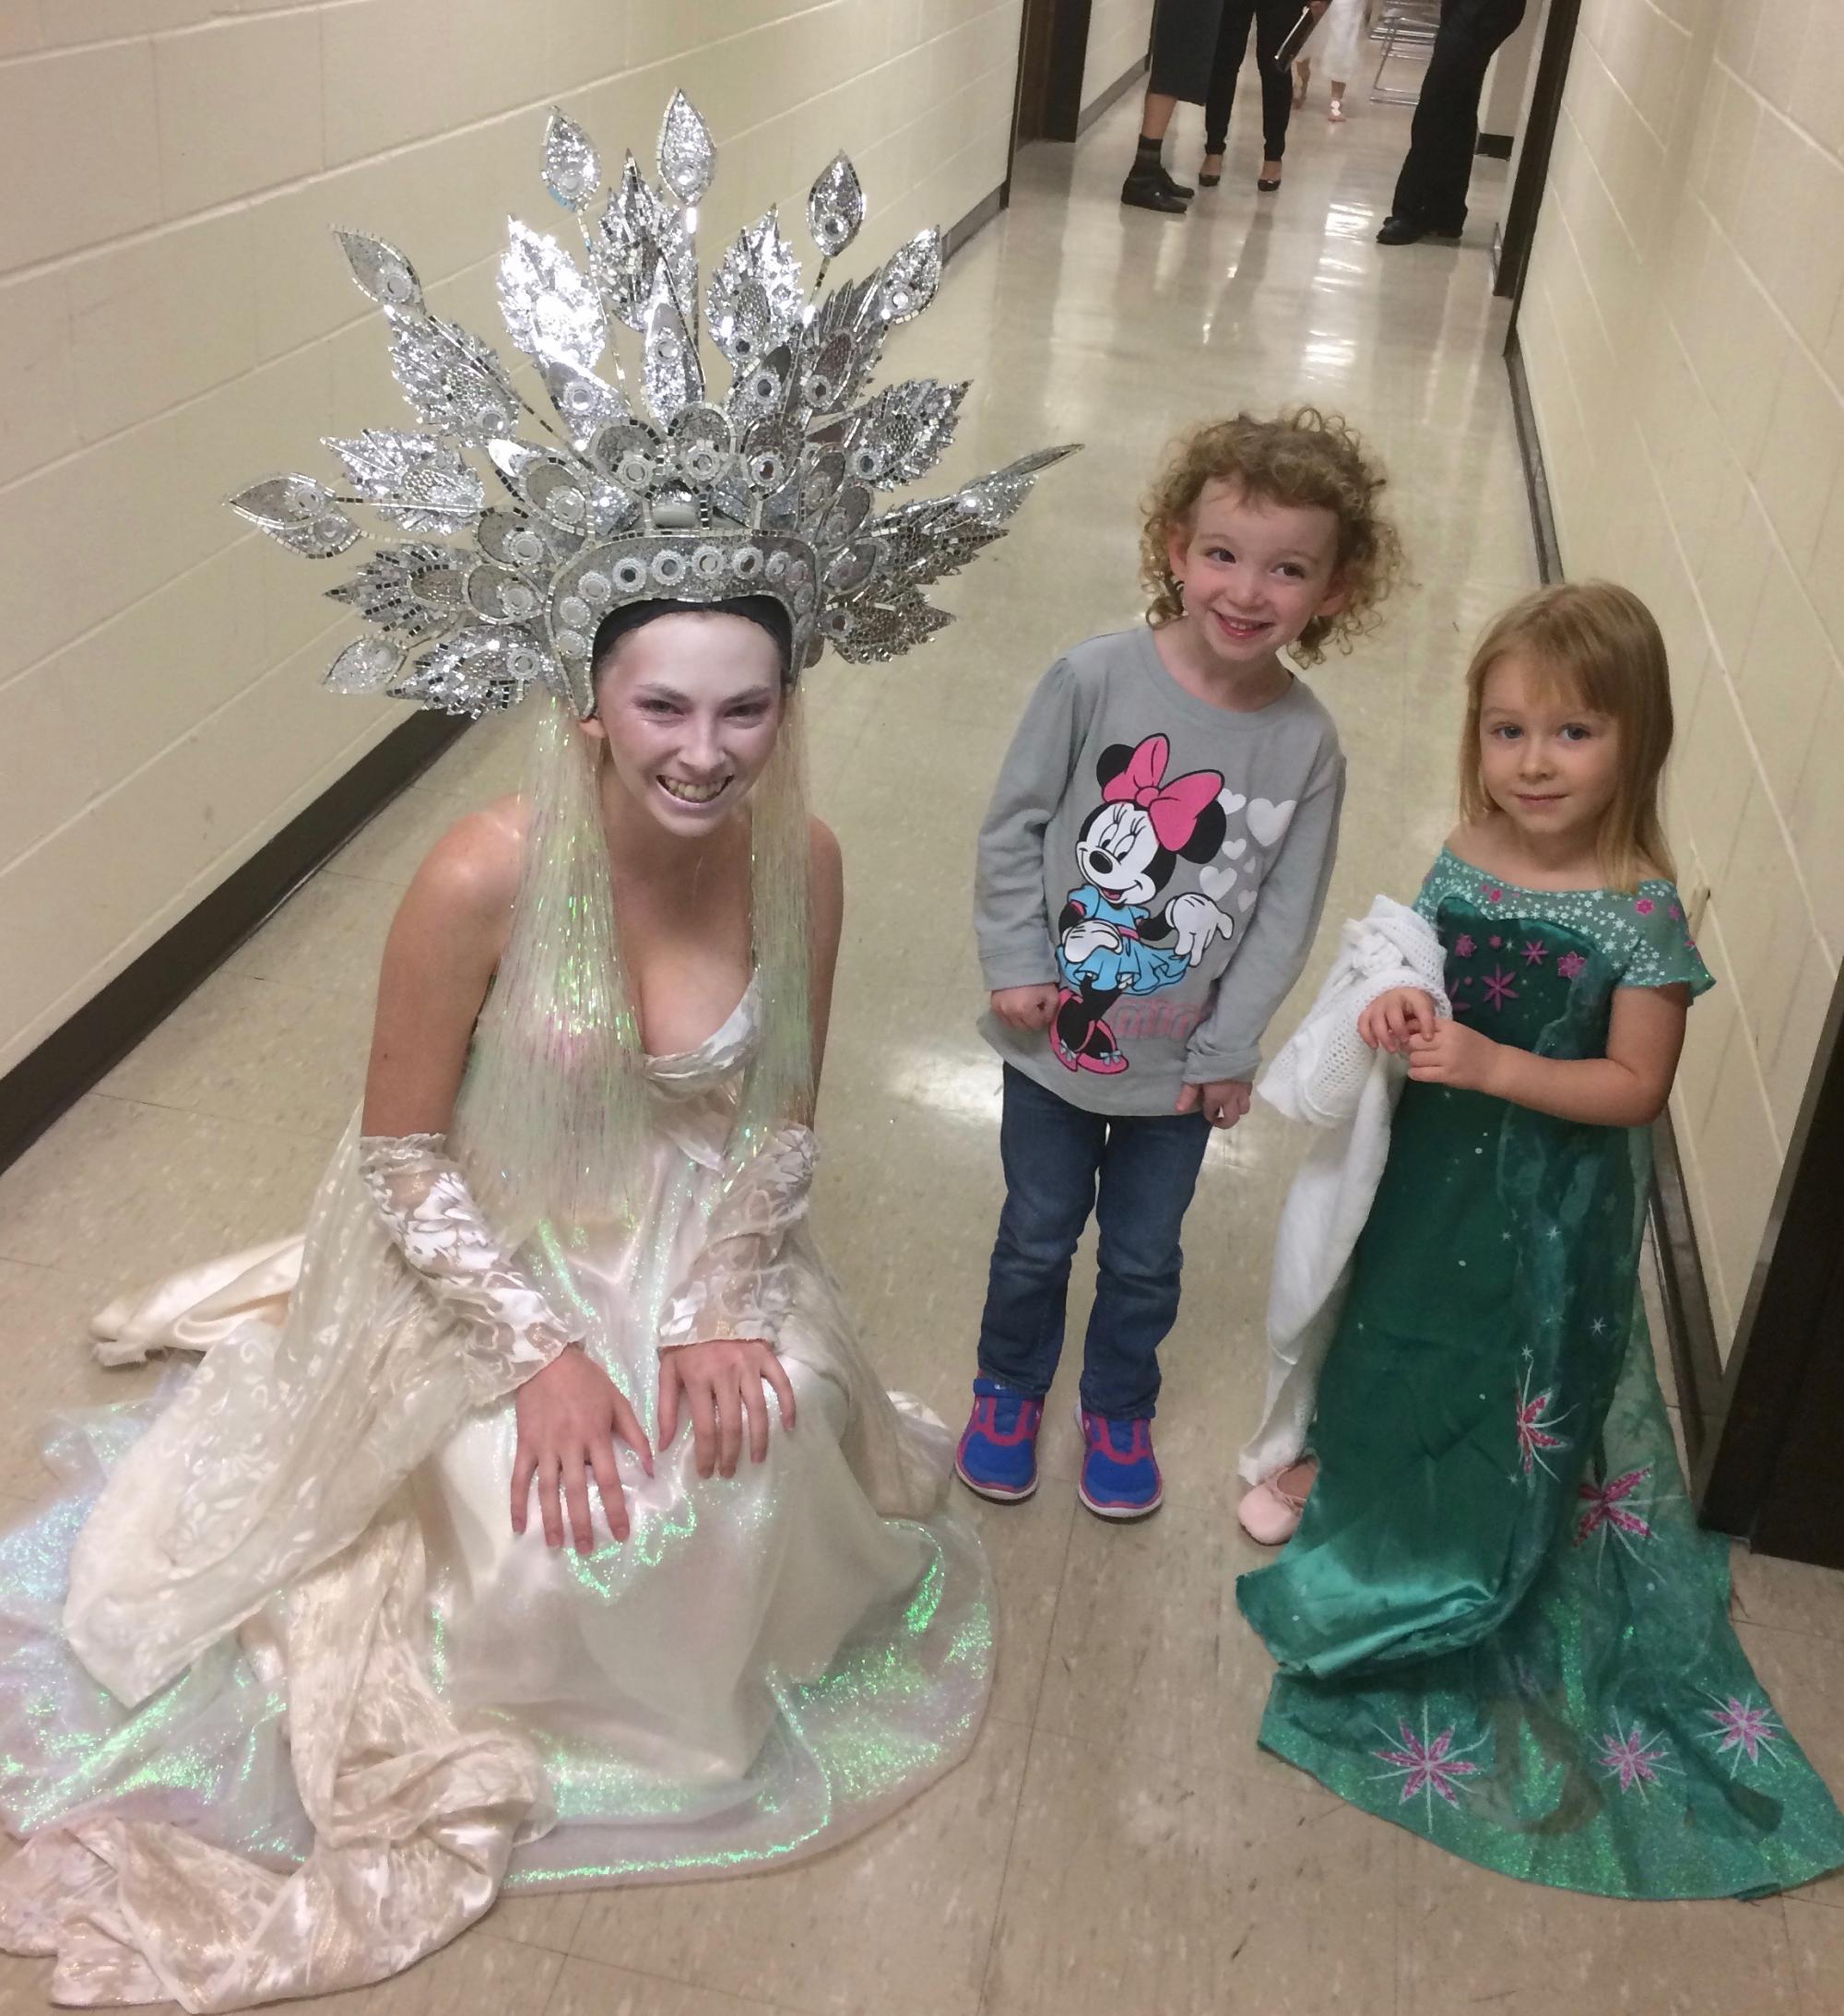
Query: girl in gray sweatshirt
[(1150, 874)]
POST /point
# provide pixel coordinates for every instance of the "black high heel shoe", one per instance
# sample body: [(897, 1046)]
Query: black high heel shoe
[(1205, 179), (1265, 186)]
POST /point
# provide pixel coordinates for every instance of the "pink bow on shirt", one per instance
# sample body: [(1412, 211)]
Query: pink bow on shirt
[(1175, 808)]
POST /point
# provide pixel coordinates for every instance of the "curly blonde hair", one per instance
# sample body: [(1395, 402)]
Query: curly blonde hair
[(1304, 459)]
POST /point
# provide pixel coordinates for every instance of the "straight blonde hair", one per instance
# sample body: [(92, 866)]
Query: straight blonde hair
[(1597, 642)]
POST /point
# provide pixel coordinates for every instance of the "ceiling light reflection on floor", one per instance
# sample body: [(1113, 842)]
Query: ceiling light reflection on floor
[(964, 1088)]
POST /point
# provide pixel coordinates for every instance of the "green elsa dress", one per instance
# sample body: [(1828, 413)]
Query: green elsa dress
[(1499, 1623)]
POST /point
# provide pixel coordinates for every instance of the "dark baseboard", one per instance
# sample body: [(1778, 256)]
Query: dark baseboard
[(1695, 1360), (1696, 1364), (51, 1077), (976, 220), (1530, 453), (1496, 145), (1118, 90)]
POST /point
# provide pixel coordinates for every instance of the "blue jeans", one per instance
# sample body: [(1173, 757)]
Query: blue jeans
[(1137, 1173)]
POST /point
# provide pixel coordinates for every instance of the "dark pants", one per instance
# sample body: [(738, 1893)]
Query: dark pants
[(1136, 1174), (1432, 187), (1272, 21)]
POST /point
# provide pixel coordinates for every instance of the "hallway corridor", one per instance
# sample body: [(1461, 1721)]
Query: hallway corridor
[(1116, 1846)]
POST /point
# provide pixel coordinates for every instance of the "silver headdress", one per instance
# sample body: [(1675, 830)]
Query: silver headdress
[(674, 497)]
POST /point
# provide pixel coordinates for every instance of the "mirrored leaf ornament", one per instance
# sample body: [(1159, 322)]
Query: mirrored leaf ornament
[(573, 171), (453, 381), (381, 270), (639, 479), (367, 665), (415, 481), (835, 207), (688, 157), (549, 305), (303, 513)]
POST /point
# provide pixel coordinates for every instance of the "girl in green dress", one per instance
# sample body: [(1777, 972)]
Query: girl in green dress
[(1498, 1622)]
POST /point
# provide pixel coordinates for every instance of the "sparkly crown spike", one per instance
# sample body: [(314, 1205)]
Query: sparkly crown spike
[(616, 497)]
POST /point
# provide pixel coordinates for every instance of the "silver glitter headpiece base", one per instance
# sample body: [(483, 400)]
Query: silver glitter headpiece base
[(664, 495)]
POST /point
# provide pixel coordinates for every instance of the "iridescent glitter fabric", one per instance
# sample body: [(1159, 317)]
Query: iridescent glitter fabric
[(768, 1665)]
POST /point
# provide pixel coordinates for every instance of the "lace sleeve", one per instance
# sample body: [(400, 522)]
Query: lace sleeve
[(420, 1194), (740, 1285)]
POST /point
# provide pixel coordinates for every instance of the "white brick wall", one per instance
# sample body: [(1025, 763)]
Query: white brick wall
[(175, 319), (1683, 330)]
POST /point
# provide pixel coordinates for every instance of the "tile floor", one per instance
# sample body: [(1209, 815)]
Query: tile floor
[(1116, 1843)]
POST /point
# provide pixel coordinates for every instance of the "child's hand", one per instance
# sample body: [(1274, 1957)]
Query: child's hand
[(1025, 1008), (1455, 1055), (1225, 1100), (1392, 1018)]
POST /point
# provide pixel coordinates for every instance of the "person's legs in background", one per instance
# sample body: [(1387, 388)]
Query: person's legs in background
[(1232, 45), (1273, 19), (1184, 40), (1430, 200)]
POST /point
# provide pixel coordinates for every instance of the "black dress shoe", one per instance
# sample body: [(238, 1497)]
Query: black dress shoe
[(1405, 231), (1174, 187), (1148, 192)]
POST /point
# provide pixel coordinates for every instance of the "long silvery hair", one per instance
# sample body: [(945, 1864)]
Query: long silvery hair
[(552, 1113)]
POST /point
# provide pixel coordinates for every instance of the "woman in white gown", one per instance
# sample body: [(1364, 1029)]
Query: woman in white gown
[(535, 1521)]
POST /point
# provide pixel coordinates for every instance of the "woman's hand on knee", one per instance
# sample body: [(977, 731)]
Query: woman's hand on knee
[(570, 1417), (719, 1385)]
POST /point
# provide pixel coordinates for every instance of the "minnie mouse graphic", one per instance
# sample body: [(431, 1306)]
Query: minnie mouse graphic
[(1109, 942)]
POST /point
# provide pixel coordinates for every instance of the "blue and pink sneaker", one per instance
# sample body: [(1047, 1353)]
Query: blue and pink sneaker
[(1120, 1474), (997, 1456)]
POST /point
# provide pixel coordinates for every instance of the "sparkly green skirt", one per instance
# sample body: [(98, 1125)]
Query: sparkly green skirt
[(1499, 1624)]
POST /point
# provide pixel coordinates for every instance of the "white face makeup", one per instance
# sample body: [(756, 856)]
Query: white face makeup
[(1254, 574), (1550, 765), (690, 705)]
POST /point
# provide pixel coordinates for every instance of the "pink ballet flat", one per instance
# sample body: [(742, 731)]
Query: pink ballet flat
[(1270, 1510)]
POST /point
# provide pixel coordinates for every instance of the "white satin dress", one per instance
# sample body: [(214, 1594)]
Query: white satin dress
[(361, 1705)]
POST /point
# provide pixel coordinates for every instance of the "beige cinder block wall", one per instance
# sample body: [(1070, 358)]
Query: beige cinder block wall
[(1119, 34), (175, 319), (1684, 334)]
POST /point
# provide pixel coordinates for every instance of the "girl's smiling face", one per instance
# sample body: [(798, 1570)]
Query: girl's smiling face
[(1550, 765), (1254, 574), (690, 705)]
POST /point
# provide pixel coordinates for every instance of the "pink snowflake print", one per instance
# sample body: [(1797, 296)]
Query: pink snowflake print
[(1462, 947), (1428, 1767), (1606, 1507), (1498, 987), (1535, 952), (1644, 906), (1571, 965), (1624, 1755), (1675, 914), (1533, 1430), (1744, 1728), (1495, 942), (1491, 894)]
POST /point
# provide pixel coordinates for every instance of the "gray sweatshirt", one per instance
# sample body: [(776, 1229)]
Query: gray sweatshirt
[(1162, 862)]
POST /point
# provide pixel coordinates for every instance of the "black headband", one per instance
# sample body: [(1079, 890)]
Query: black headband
[(763, 610)]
